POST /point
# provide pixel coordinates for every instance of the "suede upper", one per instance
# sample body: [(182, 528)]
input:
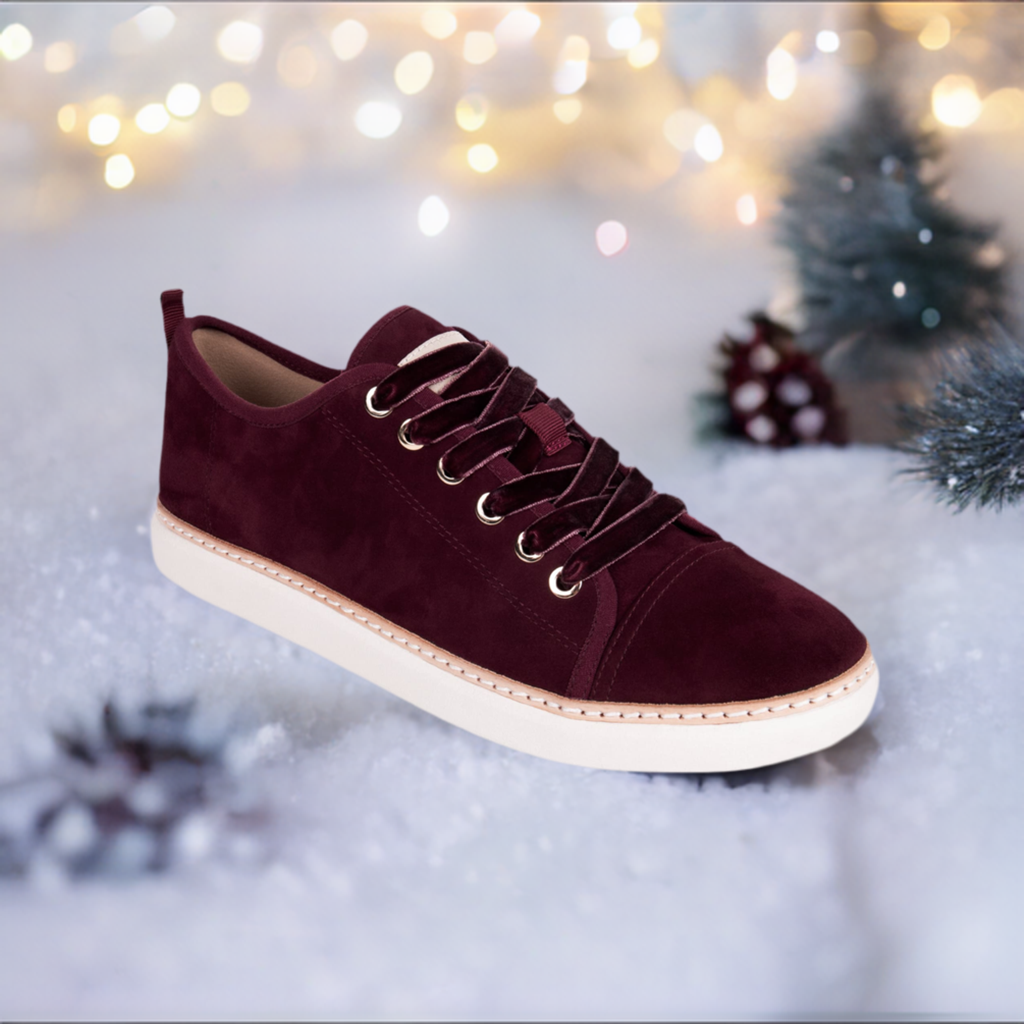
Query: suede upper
[(325, 488)]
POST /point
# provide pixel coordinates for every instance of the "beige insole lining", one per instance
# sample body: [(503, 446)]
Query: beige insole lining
[(249, 373)]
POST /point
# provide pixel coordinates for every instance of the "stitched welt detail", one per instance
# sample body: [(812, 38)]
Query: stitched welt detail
[(555, 633), (498, 687)]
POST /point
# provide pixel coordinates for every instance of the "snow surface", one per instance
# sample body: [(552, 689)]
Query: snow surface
[(419, 871)]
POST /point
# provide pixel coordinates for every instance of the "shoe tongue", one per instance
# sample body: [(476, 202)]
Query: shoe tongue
[(402, 333)]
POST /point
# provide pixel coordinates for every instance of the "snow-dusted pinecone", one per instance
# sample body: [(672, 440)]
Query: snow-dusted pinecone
[(142, 790)]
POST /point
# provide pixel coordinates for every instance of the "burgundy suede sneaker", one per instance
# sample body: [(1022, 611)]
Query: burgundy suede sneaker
[(431, 520)]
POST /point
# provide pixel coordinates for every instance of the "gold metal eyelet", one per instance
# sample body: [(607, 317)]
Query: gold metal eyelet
[(450, 480), (522, 553), (482, 515), (555, 584), (403, 437), (372, 409)]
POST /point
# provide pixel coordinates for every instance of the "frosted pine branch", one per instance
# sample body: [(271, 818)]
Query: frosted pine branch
[(969, 439)]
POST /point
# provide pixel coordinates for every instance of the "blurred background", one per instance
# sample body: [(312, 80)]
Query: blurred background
[(606, 191)]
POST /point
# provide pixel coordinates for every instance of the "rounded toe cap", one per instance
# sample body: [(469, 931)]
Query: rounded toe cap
[(720, 628)]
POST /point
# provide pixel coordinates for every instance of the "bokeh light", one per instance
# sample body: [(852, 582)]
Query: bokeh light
[(721, 109), (899, 289), (183, 99), (240, 42), (59, 57), (746, 209), (782, 74), (104, 129), (570, 77), (15, 41), (827, 41), (439, 22), (118, 171), (624, 33), (414, 71), (644, 53), (567, 110), (936, 33), (612, 237), (67, 117), (471, 112), (433, 216), (152, 118), (348, 39), (230, 99), (296, 66), (708, 143), (955, 101), (479, 47), (571, 71), (155, 22), (378, 120), (482, 158), (516, 28)]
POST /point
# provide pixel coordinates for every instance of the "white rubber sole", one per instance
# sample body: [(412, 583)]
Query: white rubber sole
[(647, 738)]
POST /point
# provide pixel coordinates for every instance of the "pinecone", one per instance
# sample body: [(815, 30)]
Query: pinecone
[(144, 791), (776, 393)]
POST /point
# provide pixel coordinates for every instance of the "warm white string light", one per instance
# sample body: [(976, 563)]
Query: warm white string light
[(183, 99), (433, 216), (15, 41), (482, 158), (240, 42), (152, 118), (630, 38), (378, 120)]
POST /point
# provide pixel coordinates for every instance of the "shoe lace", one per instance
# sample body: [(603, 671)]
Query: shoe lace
[(612, 507)]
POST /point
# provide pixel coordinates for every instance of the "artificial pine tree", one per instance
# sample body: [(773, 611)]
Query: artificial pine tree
[(888, 272), (969, 439)]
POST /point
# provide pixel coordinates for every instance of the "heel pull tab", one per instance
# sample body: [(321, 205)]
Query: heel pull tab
[(174, 311)]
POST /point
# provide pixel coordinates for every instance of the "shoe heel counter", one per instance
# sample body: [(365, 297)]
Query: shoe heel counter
[(189, 414)]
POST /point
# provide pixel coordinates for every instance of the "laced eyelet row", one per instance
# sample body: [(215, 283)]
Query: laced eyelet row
[(555, 584), (554, 580)]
